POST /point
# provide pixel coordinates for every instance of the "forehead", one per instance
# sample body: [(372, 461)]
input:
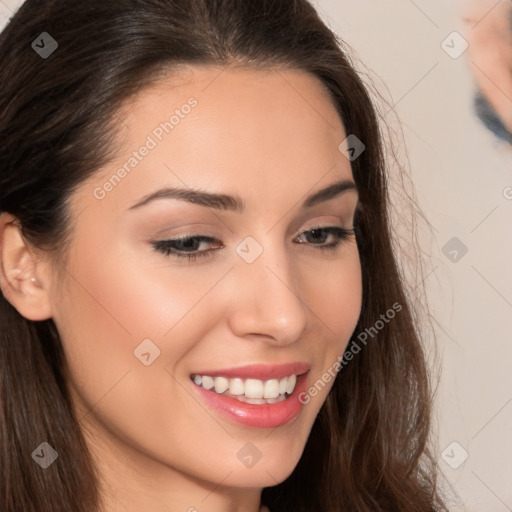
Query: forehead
[(236, 129), (261, 101), (231, 90)]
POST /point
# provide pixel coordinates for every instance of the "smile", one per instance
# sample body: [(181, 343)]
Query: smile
[(251, 391), (256, 395)]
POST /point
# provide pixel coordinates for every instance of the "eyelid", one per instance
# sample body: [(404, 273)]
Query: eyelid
[(320, 225), (205, 233), (340, 233)]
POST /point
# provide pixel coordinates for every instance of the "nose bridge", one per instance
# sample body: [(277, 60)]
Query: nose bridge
[(267, 298)]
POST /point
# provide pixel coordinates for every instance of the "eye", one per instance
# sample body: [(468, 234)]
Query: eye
[(185, 247), (318, 236), (189, 247)]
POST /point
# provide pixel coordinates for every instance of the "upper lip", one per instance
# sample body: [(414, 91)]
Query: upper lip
[(259, 371)]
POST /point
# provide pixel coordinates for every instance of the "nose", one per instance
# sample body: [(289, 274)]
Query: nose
[(266, 300)]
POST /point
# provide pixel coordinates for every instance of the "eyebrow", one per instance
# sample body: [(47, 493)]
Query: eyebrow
[(235, 203)]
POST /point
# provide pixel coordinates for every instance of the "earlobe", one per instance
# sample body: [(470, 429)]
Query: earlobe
[(22, 278)]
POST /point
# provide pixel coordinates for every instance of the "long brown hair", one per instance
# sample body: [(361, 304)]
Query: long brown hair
[(368, 447)]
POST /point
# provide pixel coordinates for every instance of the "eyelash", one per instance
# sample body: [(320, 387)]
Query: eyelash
[(166, 246)]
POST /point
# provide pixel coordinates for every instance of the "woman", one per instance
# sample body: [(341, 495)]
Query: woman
[(194, 244)]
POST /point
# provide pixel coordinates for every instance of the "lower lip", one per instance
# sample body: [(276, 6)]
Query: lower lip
[(253, 415)]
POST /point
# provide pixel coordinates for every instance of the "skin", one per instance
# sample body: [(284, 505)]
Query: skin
[(270, 137)]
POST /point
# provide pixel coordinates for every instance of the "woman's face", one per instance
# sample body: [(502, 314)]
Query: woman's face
[(273, 291)]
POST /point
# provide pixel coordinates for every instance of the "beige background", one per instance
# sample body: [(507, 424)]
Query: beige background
[(460, 172)]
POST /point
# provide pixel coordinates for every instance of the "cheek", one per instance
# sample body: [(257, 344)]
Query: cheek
[(112, 303), (109, 307), (335, 297)]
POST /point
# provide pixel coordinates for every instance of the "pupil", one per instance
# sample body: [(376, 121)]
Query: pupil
[(190, 244), (316, 234)]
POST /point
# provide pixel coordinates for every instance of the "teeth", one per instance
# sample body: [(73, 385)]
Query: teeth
[(207, 382), (291, 384), (221, 384), (236, 387), (271, 389), (253, 391), (254, 388), (283, 385)]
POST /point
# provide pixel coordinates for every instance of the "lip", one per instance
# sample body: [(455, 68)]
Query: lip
[(259, 371), (252, 415)]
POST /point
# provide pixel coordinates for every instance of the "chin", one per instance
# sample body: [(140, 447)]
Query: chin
[(267, 461), (263, 474)]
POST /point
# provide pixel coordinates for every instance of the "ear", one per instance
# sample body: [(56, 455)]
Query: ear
[(24, 279)]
